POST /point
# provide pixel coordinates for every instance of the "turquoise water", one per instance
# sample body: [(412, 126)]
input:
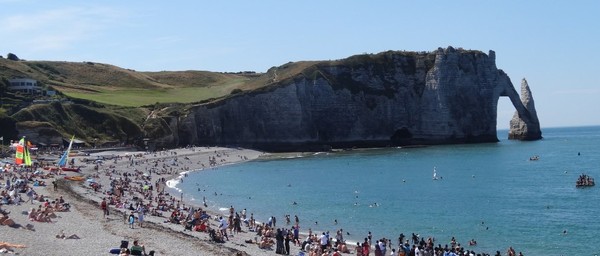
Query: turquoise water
[(488, 192)]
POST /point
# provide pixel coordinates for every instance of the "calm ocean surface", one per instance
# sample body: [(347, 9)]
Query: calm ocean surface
[(488, 192)]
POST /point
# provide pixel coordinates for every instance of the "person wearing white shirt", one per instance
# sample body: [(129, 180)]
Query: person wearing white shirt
[(324, 241)]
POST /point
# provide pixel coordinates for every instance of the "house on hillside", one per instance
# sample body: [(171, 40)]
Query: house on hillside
[(25, 85)]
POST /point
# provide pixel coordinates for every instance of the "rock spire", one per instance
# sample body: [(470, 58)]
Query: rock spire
[(525, 125)]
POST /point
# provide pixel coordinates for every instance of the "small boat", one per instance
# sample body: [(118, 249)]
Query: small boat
[(584, 181), (534, 158)]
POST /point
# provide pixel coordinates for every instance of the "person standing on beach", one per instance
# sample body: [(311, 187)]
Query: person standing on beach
[(366, 247), (104, 207), (288, 237), (223, 227), (140, 212), (131, 220), (324, 241), (297, 235), (279, 249), (29, 194)]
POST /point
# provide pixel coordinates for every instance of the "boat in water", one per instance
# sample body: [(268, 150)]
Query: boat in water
[(584, 181)]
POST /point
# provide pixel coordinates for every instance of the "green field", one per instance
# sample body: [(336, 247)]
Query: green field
[(136, 97)]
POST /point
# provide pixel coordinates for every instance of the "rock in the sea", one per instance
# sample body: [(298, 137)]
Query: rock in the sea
[(525, 124)]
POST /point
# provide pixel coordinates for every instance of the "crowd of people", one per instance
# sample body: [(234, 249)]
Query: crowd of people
[(135, 191), (19, 188)]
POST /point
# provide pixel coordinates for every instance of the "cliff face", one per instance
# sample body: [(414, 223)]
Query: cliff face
[(391, 98)]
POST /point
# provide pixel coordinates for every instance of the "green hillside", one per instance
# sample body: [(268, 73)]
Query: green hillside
[(112, 85)]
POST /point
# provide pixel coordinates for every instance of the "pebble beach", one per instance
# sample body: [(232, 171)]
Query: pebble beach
[(84, 230)]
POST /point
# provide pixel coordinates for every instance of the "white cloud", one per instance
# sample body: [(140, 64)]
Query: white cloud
[(57, 29)]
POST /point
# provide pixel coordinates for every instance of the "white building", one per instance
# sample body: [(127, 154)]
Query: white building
[(25, 85)]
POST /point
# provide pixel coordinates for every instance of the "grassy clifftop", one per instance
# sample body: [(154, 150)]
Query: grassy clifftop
[(113, 85), (108, 84)]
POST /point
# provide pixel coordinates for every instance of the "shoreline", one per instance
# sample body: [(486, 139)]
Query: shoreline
[(103, 234)]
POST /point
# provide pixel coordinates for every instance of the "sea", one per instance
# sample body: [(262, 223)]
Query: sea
[(492, 192)]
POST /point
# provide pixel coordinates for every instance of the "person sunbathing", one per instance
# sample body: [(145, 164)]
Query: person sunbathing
[(32, 214), (3, 212), (58, 207), (9, 246), (137, 249), (265, 243), (215, 236), (61, 235), (42, 217), (49, 211), (6, 221), (201, 227)]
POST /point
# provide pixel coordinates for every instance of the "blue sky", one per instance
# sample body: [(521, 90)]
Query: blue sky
[(554, 44)]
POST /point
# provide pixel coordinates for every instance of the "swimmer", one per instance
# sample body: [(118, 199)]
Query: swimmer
[(294, 203), (335, 222), (472, 242)]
